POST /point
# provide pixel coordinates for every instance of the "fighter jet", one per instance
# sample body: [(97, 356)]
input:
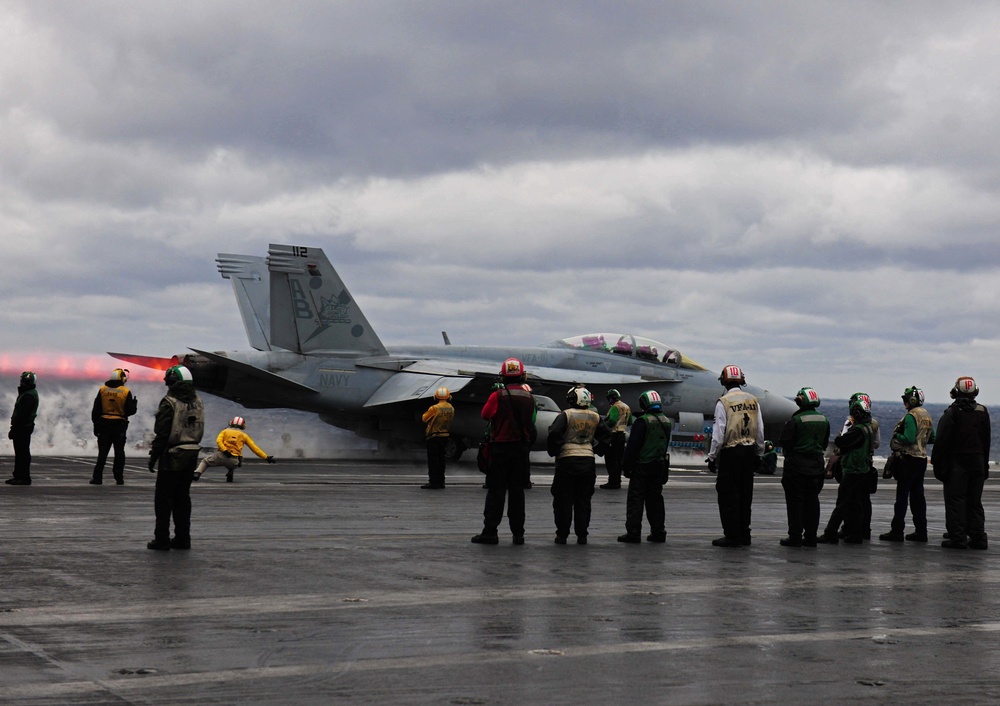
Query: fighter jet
[(315, 351)]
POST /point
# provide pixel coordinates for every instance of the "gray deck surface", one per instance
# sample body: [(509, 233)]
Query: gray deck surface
[(315, 582)]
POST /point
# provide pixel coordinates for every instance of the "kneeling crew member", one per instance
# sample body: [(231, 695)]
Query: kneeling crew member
[(229, 449)]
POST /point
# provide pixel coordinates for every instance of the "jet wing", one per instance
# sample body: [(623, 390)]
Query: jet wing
[(406, 386), (556, 375), (255, 372)]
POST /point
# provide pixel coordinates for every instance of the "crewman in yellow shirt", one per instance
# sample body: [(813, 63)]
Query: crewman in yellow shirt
[(229, 449)]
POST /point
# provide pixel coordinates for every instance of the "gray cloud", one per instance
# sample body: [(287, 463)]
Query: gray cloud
[(805, 188)]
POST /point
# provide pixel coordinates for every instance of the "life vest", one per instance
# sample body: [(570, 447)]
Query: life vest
[(742, 411), (113, 402), (925, 427), (624, 413), (657, 439), (438, 419), (579, 438), (188, 424)]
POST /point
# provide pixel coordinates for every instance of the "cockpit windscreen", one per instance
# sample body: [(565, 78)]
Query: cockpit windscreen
[(637, 347)]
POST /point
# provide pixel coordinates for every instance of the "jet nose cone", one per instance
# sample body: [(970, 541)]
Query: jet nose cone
[(776, 408)]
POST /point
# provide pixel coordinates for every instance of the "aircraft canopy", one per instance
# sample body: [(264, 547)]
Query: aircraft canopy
[(637, 347)]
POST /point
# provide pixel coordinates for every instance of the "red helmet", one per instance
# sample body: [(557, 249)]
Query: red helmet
[(238, 423), (512, 368)]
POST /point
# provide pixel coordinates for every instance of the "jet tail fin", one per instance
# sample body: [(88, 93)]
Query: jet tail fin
[(311, 309), (250, 285)]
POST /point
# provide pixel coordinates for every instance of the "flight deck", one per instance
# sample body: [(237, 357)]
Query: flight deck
[(341, 581)]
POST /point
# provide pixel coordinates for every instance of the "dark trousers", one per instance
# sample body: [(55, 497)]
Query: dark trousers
[(909, 474), (571, 494), (172, 498), (435, 459), (645, 491), (854, 489), (22, 453), (963, 500), (802, 504), (839, 510), (734, 486), (613, 457), (111, 434), (505, 481)]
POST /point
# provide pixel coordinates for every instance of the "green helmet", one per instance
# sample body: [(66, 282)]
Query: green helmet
[(913, 396), (614, 395), (861, 396), (807, 398), (28, 378), (650, 399), (860, 409), (177, 373)]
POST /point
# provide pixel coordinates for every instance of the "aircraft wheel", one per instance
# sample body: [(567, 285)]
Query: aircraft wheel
[(454, 449)]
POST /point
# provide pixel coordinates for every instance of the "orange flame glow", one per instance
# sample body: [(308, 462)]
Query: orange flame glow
[(72, 366)]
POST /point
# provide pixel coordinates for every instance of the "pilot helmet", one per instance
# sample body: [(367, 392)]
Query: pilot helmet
[(177, 373), (965, 387), (732, 376), (807, 398), (119, 374), (913, 396), (238, 423), (650, 399), (579, 397), (442, 393)]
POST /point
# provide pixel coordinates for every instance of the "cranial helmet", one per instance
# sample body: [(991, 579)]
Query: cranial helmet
[(807, 398), (579, 397), (512, 369), (913, 396), (861, 395), (965, 387), (650, 399), (442, 393), (614, 395), (768, 445), (732, 376), (119, 374), (238, 423), (27, 379), (177, 373), (860, 408)]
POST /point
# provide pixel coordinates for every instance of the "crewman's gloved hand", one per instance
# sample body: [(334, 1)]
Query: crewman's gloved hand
[(96, 433), (711, 465), (270, 459), (10, 434), (152, 465)]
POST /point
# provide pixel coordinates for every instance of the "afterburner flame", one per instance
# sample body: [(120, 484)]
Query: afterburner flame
[(71, 366)]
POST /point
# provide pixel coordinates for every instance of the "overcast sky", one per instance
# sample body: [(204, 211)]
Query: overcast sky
[(809, 190)]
